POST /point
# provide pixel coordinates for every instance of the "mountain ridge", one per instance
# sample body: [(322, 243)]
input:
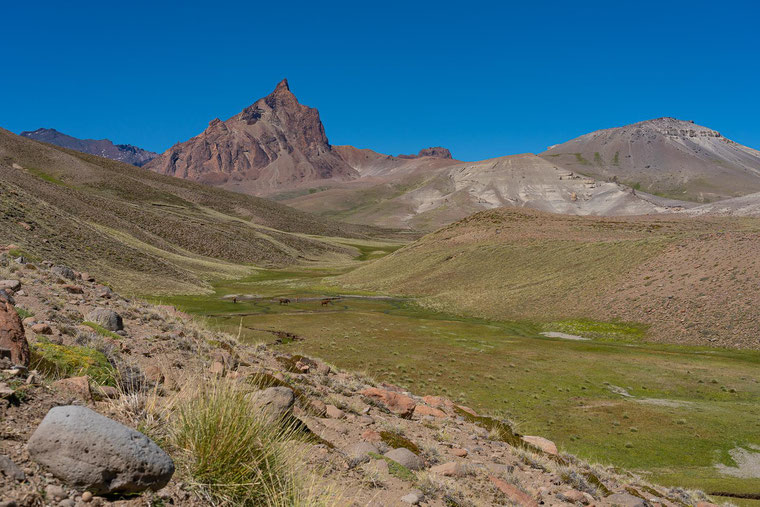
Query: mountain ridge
[(101, 147)]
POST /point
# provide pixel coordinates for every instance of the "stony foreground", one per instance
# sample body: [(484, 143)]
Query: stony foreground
[(368, 443)]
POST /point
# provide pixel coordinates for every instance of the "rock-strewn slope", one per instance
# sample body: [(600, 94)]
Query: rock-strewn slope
[(665, 156), (100, 147), (273, 144), (370, 444)]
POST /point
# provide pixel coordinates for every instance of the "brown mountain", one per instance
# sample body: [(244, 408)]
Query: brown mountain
[(100, 147), (276, 143), (665, 156)]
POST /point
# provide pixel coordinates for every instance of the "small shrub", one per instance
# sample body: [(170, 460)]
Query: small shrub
[(23, 313), (234, 454), (61, 361)]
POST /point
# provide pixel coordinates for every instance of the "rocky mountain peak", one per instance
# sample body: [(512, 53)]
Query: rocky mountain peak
[(274, 143)]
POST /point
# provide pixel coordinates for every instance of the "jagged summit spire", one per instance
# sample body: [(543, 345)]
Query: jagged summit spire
[(282, 86)]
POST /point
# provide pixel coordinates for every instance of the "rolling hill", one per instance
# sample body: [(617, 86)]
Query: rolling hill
[(690, 280), (664, 156), (147, 231)]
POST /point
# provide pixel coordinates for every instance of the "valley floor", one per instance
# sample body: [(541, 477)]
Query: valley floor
[(679, 415)]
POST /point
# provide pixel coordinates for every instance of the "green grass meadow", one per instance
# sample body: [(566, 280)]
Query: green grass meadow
[(669, 412)]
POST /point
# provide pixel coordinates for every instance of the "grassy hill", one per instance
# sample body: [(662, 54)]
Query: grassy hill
[(147, 232), (689, 280)]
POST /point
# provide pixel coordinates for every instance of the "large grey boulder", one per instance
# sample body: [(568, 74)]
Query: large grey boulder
[(109, 319), (92, 452)]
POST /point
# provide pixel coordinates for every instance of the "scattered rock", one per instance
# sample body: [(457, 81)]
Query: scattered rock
[(55, 492), (87, 497), (371, 436), (451, 469), (421, 411), (334, 412), (542, 443), (414, 497), (360, 453), (42, 328), (64, 272), (395, 402), (512, 493), (78, 386), (10, 469), (12, 336), (5, 296), (73, 289), (10, 285), (406, 457), (216, 368), (625, 500), (118, 458), (277, 401), (109, 319), (468, 410), (458, 452), (574, 496), (318, 407)]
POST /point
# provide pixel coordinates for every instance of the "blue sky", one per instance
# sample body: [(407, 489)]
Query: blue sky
[(484, 79)]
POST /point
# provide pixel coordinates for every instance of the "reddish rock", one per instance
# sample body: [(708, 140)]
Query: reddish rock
[(318, 407), (73, 289), (542, 443), (395, 402), (514, 494), (78, 386), (423, 410), (42, 328), (468, 410), (437, 401), (12, 336), (460, 453)]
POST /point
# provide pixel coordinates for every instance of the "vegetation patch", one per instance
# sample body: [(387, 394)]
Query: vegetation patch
[(395, 468), (234, 454), (396, 440), (61, 361), (579, 158), (101, 330), (23, 313), (626, 331)]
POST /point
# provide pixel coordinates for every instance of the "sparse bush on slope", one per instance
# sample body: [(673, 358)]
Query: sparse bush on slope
[(235, 455)]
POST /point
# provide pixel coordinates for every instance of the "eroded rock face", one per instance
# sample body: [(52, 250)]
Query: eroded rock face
[(12, 335), (109, 319), (274, 143), (92, 452), (395, 402)]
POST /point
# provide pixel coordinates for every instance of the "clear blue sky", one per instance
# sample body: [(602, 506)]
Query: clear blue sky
[(483, 79)]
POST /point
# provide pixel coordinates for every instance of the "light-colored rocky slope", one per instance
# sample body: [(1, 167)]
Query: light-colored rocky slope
[(665, 156), (428, 193)]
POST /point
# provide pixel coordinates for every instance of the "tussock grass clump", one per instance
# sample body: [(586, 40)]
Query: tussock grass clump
[(61, 361), (234, 454)]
